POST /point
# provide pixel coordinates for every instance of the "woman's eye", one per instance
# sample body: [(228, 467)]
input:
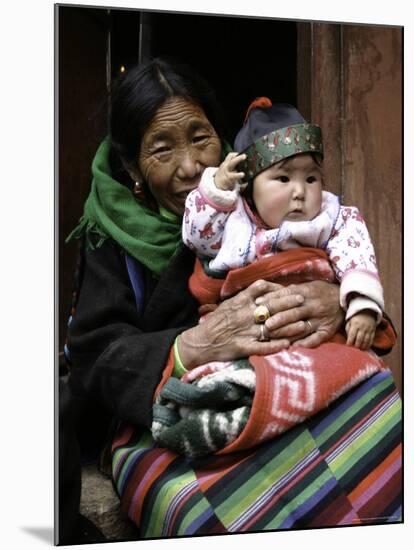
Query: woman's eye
[(161, 150), (283, 179), (311, 179), (200, 138)]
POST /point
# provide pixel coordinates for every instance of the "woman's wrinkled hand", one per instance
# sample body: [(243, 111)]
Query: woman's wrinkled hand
[(230, 332), (311, 323)]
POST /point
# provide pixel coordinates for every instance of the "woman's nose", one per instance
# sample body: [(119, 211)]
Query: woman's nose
[(189, 166)]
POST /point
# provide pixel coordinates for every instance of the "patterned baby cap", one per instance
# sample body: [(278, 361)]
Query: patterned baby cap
[(272, 132)]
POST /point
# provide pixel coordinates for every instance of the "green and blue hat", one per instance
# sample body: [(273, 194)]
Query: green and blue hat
[(273, 132)]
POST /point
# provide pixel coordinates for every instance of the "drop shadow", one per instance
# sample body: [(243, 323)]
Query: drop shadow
[(42, 533)]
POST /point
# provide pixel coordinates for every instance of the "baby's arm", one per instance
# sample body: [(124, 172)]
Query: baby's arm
[(360, 329), (209, 205), (352, 254), (353, 257)]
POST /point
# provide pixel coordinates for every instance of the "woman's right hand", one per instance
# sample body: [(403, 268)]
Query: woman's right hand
[(229, 332)]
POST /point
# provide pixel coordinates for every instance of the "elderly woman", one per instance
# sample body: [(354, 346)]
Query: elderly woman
[(134, 302)]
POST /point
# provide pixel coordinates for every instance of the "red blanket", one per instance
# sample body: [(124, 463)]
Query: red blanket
[(299, 382), (290, 267), (294, 384)]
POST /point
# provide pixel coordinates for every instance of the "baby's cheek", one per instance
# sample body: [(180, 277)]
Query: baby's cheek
[(277, 202), (274, 206)]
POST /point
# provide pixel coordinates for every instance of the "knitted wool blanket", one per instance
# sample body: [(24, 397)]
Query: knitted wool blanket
[(206, 415)]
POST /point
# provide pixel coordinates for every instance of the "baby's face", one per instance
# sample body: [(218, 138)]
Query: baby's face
[(289, 190)]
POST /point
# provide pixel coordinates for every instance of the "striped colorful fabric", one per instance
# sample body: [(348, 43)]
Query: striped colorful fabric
[(342, 467)]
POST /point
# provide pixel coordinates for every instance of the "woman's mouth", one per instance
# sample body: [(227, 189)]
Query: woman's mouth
[(182, 195)]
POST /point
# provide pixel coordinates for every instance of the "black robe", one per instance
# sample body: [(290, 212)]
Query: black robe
[(118, 352)]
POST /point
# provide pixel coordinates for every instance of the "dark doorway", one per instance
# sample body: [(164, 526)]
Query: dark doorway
[(241, 57)]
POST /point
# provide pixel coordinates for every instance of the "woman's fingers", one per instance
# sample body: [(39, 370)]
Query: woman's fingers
[(255, 347), (289, 331), (291, 312), (259, 289), (277, 291), (273, 346), (275, 297), (315, 303), (312, 340)]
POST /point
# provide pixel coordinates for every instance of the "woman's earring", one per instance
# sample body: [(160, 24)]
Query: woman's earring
[(139, 191), (137, 188)]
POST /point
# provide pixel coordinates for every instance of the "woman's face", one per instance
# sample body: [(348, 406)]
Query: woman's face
[(177, 146)]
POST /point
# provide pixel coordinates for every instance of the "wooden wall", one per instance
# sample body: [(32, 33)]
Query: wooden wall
[(350, 82), (94, 45), (82, 37)]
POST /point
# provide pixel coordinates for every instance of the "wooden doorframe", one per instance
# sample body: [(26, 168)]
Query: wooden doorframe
[(349, 81), (320, 77)]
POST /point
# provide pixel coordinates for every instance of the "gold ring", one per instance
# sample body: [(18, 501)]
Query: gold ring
[(263, 337), (310, 325), (261, 313)]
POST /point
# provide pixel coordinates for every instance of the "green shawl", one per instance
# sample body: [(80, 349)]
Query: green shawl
[(112, 211)]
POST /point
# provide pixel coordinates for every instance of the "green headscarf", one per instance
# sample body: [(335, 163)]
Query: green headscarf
[(112, 211)]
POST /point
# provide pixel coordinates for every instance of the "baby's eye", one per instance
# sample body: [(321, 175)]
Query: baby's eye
[(311, 179), (283, 179)]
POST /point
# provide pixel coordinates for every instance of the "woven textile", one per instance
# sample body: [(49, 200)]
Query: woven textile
[(342, 467), (237, 405)]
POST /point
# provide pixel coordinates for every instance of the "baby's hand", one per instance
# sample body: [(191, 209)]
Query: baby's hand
[(226, 178), (361, 329)]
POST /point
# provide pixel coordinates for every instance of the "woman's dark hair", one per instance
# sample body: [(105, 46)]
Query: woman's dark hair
[(138, 93)]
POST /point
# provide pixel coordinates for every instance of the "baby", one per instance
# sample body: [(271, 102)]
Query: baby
[(281, 205)]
